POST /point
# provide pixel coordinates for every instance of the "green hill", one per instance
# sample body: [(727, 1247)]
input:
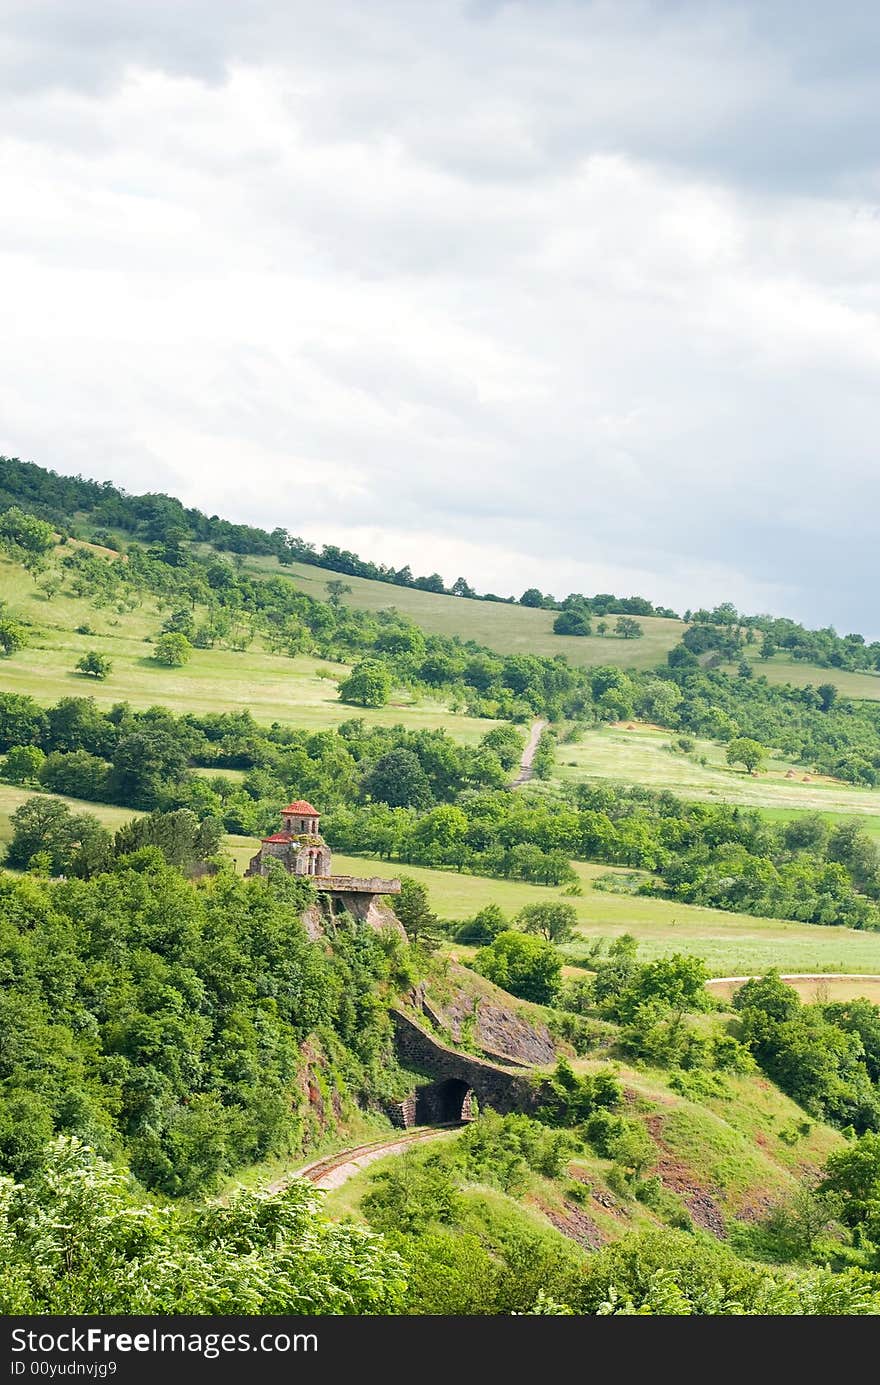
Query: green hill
[(271, 686), (507, 628)]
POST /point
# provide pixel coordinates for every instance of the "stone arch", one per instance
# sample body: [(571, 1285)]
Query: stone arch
[(445, 1102), (492, 1084)]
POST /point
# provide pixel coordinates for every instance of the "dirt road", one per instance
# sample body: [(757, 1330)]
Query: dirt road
[(800, 976), (528, 755)]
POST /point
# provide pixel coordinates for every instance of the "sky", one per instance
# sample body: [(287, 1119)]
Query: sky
[(558, 293)]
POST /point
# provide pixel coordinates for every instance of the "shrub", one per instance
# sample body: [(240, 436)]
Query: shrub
[(526, 966)]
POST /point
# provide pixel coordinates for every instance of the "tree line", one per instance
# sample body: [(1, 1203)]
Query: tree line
[(155, 516), (420, 797), (813, 725)]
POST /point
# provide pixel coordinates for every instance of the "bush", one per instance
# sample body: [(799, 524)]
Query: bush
[(526, 966), (571, 1099), (483, 928), (94, 664), (572, 622), (504, 1150)]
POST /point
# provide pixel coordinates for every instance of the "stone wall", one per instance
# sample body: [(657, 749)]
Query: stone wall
[(494, 1086)]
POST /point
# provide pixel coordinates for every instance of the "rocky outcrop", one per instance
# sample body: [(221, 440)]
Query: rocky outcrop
[(477, 1015), (372, 910), (497, 1030)]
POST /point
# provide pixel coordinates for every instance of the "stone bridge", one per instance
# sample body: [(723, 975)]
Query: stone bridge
[(457, 1076)]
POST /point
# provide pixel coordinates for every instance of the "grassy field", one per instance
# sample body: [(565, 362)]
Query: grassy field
[(731, 944), (509, 629), (781, 669), (271, 686), (12, 798), (640, 756)]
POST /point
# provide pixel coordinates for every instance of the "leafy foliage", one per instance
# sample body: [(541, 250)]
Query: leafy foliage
[(528, 967), (76, 1238), (164, 1021), (817, 1061)]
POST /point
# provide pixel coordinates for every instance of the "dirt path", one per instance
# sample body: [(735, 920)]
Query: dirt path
[(802, 976), (528, 755), (335, 1169)]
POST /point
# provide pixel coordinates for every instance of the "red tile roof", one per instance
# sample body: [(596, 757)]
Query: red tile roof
[(278, 837), (301, 807)]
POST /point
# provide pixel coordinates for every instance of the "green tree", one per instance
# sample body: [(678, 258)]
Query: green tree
[(554, 921), (336, 590), (51, 585), (76, 843), (485, 926), (95, 664), (531, 597), (526, 966), (413, 908), (13, 635), (398, 779), (172, 649), (852, 1178), (184, 841), (827, 694), (180, 622), (25, 538), (368, 684), (22, 764), (744, 751), (852, 847), (628, 629), (507, 742), (572, 622), (75, 773), (145, 764)]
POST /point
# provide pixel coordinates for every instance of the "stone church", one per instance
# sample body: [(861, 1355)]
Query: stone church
[(299, 845), (301, 850)]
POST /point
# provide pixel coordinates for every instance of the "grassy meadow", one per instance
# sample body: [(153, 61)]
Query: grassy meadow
[(783, 669), (631, 753), (271, 686), (509, 629)]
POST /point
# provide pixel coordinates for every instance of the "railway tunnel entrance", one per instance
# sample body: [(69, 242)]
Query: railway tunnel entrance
[(442, 1103), (461, 1080)]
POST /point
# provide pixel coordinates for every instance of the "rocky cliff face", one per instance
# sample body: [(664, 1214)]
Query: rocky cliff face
[(371, 908), (474, 1012)]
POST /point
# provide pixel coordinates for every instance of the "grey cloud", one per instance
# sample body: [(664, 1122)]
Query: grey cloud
[(590, 283), (769, 92)]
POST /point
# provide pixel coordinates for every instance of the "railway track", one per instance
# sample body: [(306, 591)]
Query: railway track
[(335, 1169)]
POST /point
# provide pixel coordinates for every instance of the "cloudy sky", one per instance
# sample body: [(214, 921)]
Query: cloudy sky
[(573, 294)]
